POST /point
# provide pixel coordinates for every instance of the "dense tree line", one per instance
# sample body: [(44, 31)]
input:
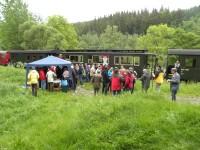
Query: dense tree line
[(156, 31), (158, 38), (111, 38), (137, 22)]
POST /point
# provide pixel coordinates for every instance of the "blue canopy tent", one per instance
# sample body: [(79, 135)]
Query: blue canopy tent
[(46, 62)]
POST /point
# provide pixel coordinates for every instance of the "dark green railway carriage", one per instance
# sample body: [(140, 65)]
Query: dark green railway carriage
[(26, 56), (189, 60), (138, 59)]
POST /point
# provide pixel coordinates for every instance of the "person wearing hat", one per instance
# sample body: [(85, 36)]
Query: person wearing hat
[(33, 77), (174, 83), (96, 80)]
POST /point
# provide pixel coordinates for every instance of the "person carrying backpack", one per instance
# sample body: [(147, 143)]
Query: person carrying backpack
[(64, 80)]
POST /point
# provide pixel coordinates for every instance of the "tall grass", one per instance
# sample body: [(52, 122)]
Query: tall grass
[(67, 121)]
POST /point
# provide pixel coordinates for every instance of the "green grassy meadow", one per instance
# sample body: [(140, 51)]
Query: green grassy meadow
[(60, 121)]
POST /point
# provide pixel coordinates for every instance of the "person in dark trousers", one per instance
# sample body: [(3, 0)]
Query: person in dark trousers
[(50, 79), (128, 86), (105, 80), (96, 80), (70, 79), (134, 79), (64, 80), (74, 77), (33, 77), (116, 81), (42, 78), (87, 71), (145, 78), (177, 65), (80, 74), (174, 83)]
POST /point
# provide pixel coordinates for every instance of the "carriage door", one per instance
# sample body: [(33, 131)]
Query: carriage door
[(189, 70)]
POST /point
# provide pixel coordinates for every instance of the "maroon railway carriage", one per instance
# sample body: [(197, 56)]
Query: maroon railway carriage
[(4, 58)]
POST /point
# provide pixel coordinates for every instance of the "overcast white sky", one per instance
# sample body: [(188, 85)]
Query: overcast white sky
[(84, 10)]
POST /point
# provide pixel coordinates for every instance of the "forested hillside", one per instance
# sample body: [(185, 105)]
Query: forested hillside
[(155, 31), (137, 22)]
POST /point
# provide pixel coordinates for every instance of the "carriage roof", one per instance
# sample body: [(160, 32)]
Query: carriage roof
[(187, 52)]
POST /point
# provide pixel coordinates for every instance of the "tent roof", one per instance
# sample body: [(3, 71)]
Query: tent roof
[(49, 61)]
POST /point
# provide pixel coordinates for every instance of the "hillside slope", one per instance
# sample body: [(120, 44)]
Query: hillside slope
[(67, 121)]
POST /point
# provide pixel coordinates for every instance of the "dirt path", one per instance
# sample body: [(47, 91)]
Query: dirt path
[(192, 100), (82, 91), (180, 99)]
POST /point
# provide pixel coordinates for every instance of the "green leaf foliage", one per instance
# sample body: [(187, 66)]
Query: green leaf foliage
[(111, 38), (14, 13), (89, 41), (67, 30), (158, 38), (41, 36)]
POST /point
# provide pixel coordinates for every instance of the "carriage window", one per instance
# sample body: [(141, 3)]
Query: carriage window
[(190, 62), (136, 61), (34, 57), (116, 60), (89, 61), (126, 60), (3, 55), (97, 59), (66, 57), (76, 58), (28, 57)]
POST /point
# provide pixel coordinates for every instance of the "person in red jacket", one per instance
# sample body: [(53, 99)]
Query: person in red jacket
[(128, 81), (42, 77), (116, 82)]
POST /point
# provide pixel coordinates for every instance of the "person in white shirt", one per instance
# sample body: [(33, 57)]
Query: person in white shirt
[(50, 78)]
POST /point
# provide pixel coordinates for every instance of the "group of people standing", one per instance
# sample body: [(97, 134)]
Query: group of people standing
[(108, 79), (41, 77), (113, 80)]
